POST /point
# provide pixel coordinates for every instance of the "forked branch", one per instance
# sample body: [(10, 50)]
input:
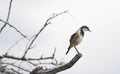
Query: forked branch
[(46, 24), (7, 23), (7, 16)]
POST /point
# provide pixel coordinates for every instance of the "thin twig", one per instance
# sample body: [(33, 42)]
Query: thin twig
[(14, 44), (29, 41), (7, 16), (32, 63), (51, 63), (54, 53), (46, 23), (13, 28)]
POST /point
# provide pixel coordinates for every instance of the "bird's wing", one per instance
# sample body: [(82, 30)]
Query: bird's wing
[(73, 38)]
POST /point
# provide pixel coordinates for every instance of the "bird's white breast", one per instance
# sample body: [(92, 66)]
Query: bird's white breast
[(78, 40)]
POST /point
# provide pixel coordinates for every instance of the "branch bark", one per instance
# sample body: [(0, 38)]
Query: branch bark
[(7, 16), (68, 65)]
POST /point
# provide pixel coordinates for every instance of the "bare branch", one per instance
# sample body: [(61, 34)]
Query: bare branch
[(54, 53), (14, 44), (59, 68), (27, 59), (7, 23), (46, 23), (7, 16), (39, 70)]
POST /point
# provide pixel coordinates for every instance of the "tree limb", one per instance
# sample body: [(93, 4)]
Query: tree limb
[(68, 65), (25, 59)]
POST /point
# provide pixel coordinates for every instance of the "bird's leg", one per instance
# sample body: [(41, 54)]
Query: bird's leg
[(76, 49)]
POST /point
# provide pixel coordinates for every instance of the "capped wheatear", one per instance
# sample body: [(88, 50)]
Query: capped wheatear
[(77, 37)]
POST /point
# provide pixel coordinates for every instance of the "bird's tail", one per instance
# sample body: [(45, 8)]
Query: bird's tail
[(68, 50)]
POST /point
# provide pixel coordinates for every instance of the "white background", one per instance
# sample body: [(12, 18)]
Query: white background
[(100, 48)]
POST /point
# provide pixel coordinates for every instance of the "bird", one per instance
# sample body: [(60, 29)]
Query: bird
[(77, 37)]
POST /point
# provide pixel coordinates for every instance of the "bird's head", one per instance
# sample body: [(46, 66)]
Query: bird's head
[(85, 28)]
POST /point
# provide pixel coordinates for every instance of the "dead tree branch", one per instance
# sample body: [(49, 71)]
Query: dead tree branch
[(39, 70), (26, 59), (7, 16), (46, 24), (55, 70), (7, 23)]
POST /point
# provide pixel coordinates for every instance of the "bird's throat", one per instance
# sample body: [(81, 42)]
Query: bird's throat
[(82, 33)]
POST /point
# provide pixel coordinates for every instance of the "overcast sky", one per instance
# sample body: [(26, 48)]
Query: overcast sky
[(100, 48)]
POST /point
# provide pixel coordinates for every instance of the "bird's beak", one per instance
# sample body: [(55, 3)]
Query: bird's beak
[(89, 30)]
